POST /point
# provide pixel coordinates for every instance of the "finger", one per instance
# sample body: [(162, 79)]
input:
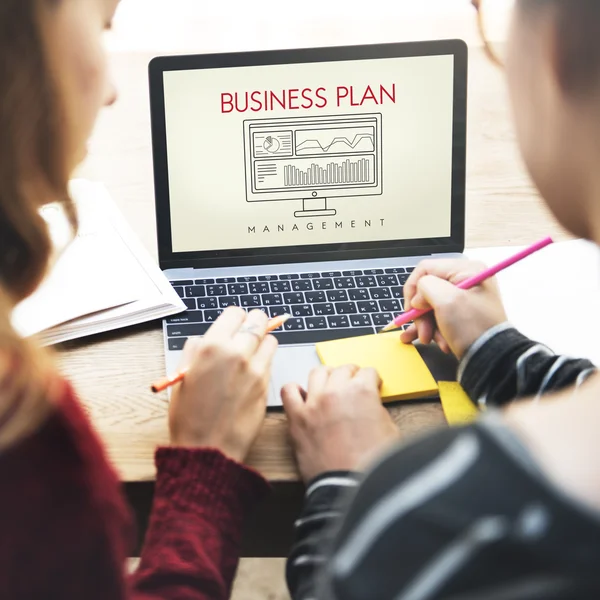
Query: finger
[(226, 325), (369, 376), (441, 342), (437, 292), (263, 357), (425, 328), (293, 402), (251, 333), (342, 375), (190, 350), (317, 380), (409, 335)]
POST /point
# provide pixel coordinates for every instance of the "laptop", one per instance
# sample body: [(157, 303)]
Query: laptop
[(308, 182)]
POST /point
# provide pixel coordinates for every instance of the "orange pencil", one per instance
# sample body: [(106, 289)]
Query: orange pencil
[(166, 382)]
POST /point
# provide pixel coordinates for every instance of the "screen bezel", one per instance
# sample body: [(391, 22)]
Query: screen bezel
[(318, 252)]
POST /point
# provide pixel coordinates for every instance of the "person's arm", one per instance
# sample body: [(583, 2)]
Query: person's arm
[(504, 365), (192, 545)]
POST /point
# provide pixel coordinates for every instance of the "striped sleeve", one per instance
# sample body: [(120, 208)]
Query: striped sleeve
[(504, 365), (455, 515)]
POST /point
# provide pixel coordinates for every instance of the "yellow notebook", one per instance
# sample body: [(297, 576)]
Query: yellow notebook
[(458, 407), (404, 373)]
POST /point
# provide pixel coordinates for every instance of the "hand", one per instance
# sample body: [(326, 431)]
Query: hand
[(221, 403), (460, 316), (340, 423)]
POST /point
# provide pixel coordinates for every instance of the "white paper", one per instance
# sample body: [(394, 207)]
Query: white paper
[(102, 280), (553, 296)]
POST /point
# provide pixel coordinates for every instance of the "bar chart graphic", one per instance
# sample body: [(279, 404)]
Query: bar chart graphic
[(335, 156), (346, 171)]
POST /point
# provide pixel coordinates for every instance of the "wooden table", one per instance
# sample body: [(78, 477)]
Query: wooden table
[(112, 371)]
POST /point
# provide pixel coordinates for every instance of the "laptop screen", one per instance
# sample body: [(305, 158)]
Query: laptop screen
[(308, 154)]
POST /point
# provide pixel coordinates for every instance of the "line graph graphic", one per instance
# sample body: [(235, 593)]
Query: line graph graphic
[(351, 140)]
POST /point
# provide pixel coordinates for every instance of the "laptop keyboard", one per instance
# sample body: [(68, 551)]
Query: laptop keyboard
[(324, 305)]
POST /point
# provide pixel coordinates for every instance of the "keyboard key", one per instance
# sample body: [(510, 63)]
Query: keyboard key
[(367, 307), (259, 288), (392, 305), (294, 298), (187, 330), (314, 336), (289, 276), (382, 319), (373, 271), (363, 282), (190, 316), (346, 308), (313, 297), (182, 283), (204, 303), (410, 269), (402, 279), (304, 310), (237, 289), (204, 281), (397, 292), (344, 283), (246, 279), (324, 309), (337, 296), (302, 285), (190, 303), (294, 325), (212, 315), (225, 301), (338, 322), (380, 293), (396, 270), (179, 291), (331, 274), (263, 308), (280, 286), (177, 343), (194, 291), (354, 273), (387, 280), (268, 278), (316, 323), (215, 290), (250, 301), (359, 294), (277, 311), (323, 284), (360, 321), (309, 275), (272, 299), (226, 280)]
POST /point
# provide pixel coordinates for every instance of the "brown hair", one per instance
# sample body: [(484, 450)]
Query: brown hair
[(33, 171), (578, 38)]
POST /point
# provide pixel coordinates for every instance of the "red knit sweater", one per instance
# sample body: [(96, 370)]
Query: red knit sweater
[(65, 531)]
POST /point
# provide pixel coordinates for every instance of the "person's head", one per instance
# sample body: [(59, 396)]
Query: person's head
[(53, 81), (553, 70)]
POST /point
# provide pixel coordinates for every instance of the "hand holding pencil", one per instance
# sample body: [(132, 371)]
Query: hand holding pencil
[(459, 316), (222, 401)]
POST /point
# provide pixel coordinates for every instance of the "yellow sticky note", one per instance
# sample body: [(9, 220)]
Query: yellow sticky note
[(404, 374), (458, 407)]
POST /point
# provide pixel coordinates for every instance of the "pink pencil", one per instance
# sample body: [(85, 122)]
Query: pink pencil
[(412, 314)]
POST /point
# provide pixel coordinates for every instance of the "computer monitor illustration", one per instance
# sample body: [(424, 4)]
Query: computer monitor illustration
[(313, 159)]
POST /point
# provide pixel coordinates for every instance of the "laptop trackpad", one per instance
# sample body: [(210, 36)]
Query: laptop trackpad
[(292, 364)]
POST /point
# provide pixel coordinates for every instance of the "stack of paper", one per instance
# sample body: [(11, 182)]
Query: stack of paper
[(103, 280)]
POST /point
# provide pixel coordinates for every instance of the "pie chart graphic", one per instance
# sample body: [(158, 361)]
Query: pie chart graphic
[(271, 144)]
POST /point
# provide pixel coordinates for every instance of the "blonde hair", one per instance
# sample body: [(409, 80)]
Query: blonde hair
[(33, 171)]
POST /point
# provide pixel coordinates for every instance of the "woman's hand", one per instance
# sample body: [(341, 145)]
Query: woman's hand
[(221, 403), (339, 423), (460, 317)]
